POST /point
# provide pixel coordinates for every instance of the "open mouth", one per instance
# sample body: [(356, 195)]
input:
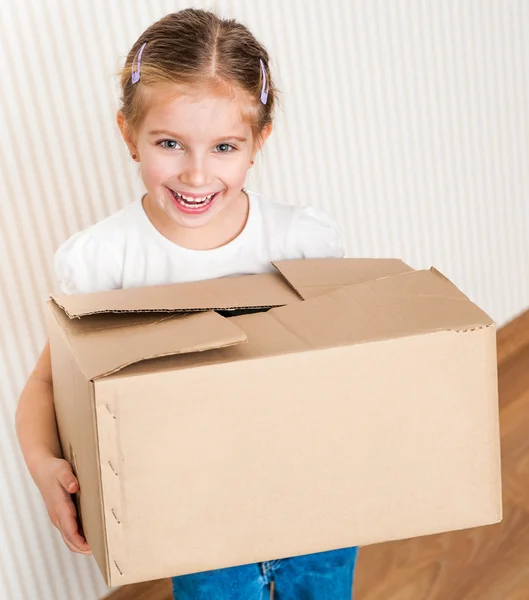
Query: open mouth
[(193, 203)]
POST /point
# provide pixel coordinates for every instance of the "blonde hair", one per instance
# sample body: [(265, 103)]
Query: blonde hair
[(196, 48)]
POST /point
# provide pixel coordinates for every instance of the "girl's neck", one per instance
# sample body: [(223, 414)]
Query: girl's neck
[(221, 230)]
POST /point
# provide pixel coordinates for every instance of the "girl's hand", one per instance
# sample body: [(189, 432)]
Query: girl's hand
[(56, 482)]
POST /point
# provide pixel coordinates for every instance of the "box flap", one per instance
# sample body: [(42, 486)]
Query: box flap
[(412, 303), (314, 277), (300, 279), (101, 349), (247, 291), (152, 322)]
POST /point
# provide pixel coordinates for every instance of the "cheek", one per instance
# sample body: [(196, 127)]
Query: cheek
[(154, 170), (236, 172)]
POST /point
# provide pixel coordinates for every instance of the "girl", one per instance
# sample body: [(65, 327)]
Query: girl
[(197, 106)]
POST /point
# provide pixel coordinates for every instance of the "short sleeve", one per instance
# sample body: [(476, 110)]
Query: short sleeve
[(316, 235), (84, 265)]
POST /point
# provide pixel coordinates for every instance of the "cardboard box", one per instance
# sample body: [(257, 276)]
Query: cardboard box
[(363, 408)]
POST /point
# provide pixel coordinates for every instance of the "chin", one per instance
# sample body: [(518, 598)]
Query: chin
[(191, 223)]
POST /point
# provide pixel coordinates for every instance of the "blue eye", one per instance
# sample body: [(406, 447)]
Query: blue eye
[(224, 148), (168, 144)]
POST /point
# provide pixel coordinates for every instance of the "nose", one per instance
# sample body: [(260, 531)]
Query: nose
[(194, 172)]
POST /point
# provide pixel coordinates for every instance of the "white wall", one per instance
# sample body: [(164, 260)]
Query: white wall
[(407, 120)]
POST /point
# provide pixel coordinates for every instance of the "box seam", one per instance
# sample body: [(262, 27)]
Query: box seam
[(100, 477)]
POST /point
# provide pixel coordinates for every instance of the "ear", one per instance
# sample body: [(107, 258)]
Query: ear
[(122, 124), (261, 139)]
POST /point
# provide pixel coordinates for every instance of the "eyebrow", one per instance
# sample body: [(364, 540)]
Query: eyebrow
[(174, 135)]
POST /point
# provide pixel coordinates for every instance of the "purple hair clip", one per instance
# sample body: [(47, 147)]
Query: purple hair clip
[(264, 89), (137, 62)]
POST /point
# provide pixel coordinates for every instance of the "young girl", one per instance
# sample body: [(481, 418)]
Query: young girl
[(197, 106)]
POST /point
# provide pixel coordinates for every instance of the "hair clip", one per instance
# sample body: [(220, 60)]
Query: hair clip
[(264, 89), (137, 60)]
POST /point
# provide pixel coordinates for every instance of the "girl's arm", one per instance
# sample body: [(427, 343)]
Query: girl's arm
[(35, 417), (39, 440)]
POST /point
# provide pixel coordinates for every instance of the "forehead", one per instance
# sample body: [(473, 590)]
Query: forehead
[(194, 113)]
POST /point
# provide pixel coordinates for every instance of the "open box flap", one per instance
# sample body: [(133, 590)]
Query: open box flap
[(113, 329), (102, 350), (298, 279), (412, 303), (248, 291), (314, 277)]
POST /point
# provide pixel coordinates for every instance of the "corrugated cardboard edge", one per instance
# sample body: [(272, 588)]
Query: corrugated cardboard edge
[(161, 299), (277, 268), (53, 299)]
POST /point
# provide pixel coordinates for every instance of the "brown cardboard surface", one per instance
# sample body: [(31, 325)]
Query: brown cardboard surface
[(249, 291), (313, 451), (320, 276), (76, 421), (411, 303), (151, 337), (366, 412), (408, 304)]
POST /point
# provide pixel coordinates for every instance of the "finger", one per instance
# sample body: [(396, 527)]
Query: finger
[(74, 548), (70, 532), (75, 542), (69, 527), (68, 481)]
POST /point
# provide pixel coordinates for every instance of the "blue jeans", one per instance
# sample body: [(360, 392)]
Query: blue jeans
[(321, 576)]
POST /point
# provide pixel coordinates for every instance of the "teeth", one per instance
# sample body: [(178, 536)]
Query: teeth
[(189, 200)]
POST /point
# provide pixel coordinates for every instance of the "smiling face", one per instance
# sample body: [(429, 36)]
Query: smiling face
[(194, 152)]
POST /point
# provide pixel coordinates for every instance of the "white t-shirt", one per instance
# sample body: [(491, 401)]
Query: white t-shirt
[(125, 250)]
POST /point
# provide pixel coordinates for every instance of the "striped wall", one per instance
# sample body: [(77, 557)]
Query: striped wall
[(407, 120)]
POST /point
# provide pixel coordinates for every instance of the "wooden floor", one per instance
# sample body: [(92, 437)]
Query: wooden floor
[(488, 563)]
